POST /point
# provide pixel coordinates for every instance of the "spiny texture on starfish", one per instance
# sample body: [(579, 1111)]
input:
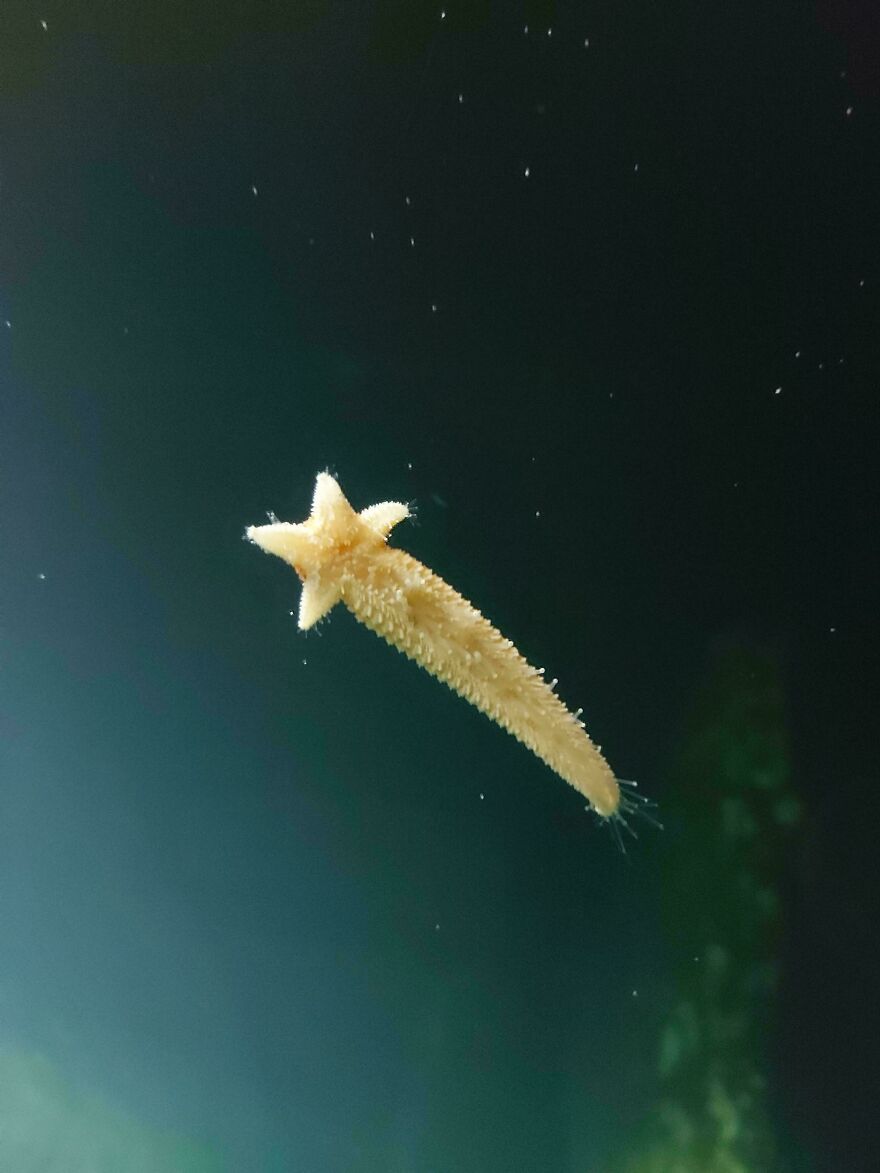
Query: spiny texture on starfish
[(343, 555)]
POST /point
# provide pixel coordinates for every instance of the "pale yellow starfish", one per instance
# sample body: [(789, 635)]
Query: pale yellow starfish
[(343, 555)]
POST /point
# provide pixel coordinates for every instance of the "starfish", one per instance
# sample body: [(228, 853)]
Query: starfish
[(343, 556)]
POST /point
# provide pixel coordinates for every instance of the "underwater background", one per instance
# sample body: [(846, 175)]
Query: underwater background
[(596, 287)]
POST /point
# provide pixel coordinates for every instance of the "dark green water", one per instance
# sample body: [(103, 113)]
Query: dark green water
[(600, 297)]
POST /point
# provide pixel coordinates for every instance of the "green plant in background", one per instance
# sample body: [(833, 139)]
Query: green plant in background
[(729, 836)]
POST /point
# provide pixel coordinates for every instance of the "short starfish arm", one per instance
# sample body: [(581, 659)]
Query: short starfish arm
[(317, 598), (384, 517), (287, 539)]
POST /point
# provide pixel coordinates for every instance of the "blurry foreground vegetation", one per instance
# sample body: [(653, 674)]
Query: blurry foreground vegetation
[(48, 1126)]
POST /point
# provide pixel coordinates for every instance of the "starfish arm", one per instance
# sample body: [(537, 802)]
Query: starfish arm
[(317, 598), (288, 540), (384, 517), (422, 616)]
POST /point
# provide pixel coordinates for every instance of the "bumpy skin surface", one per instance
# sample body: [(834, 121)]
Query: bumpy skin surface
[(343, 556)]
